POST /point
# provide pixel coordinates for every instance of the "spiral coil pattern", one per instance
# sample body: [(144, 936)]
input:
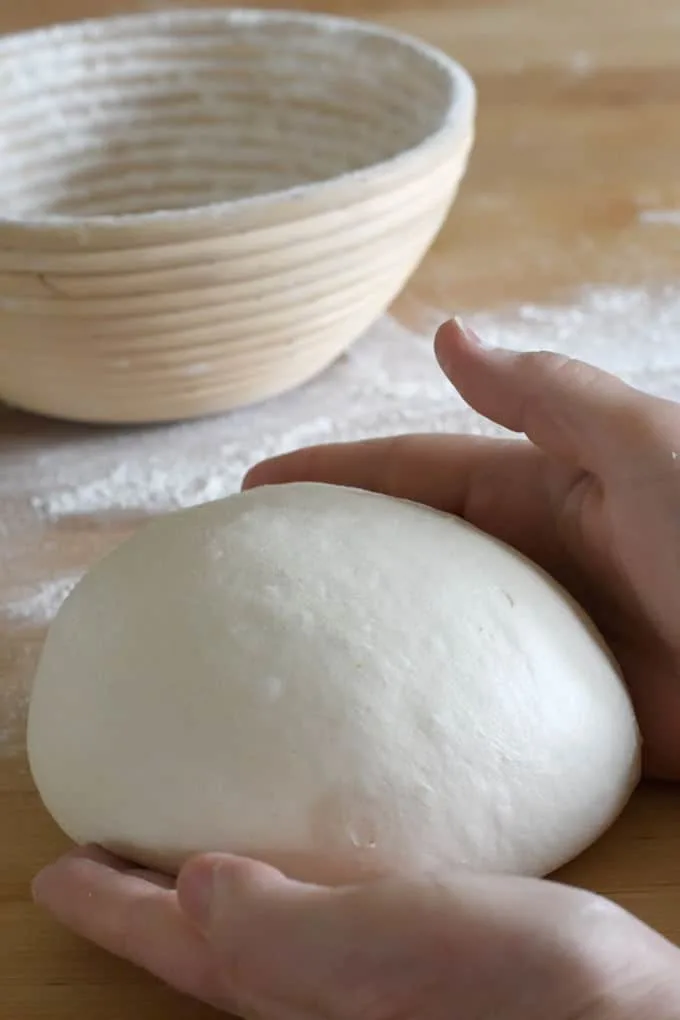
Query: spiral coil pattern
[(204, 208)]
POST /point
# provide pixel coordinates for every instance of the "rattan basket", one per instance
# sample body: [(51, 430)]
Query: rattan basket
[(201, 209)]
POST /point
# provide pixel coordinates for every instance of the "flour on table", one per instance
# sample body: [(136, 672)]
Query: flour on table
[(27, 612), (388, 383), (14, 694), (39, 605), (660, 217)]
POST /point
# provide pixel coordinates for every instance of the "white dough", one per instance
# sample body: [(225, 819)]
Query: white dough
[(335, 682)]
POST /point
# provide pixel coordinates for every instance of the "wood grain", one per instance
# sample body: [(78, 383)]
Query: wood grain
[(577, 132)]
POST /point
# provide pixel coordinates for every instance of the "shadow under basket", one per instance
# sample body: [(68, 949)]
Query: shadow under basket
[(201, 209)]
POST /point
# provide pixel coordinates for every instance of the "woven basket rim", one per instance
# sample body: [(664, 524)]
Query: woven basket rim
[(454, 124)]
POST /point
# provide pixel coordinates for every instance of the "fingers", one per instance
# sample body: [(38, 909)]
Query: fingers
[(436, 470), (393, 947), (238, 933), (571, 411), (129, 914), (280, 942), (567, 408), (503, 487)]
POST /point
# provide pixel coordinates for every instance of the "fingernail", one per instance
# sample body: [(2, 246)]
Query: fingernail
[(198, 893), (38, 883), (469, 334)]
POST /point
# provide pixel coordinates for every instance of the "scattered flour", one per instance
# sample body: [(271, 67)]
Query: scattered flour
[(23, 617), (388, 383), (39, 605), (14, 692), (13, 704), (660, 217), (581, 63), (27, 614)]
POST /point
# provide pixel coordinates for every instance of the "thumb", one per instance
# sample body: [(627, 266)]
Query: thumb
[(489, 945), (280, 943), (567, 408)]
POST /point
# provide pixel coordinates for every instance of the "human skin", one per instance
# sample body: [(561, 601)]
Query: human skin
[(594, 497)]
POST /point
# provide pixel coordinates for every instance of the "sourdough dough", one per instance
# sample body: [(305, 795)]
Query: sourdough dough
[(335, 682)]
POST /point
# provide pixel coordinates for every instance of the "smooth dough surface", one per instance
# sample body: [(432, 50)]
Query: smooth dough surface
[(335, 682)]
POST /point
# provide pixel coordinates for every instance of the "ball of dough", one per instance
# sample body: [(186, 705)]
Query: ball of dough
[(332, 681)]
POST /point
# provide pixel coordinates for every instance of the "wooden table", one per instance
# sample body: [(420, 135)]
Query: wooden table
[(578, 127)]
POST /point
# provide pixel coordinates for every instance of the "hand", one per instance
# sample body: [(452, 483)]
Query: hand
[(242, 937), (594, 498)]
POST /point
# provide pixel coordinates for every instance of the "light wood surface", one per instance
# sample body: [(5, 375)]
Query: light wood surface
[(578, 120)]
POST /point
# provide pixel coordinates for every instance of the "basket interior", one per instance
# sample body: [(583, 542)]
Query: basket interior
[(159, 113)]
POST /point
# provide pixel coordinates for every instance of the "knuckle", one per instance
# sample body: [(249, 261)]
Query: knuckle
[(232, 936), (649, 440), (397, 452), (541, 367), (658, 423), (550, 382)]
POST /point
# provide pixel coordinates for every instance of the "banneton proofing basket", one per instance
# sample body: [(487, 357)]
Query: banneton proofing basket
[(201, 209)]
